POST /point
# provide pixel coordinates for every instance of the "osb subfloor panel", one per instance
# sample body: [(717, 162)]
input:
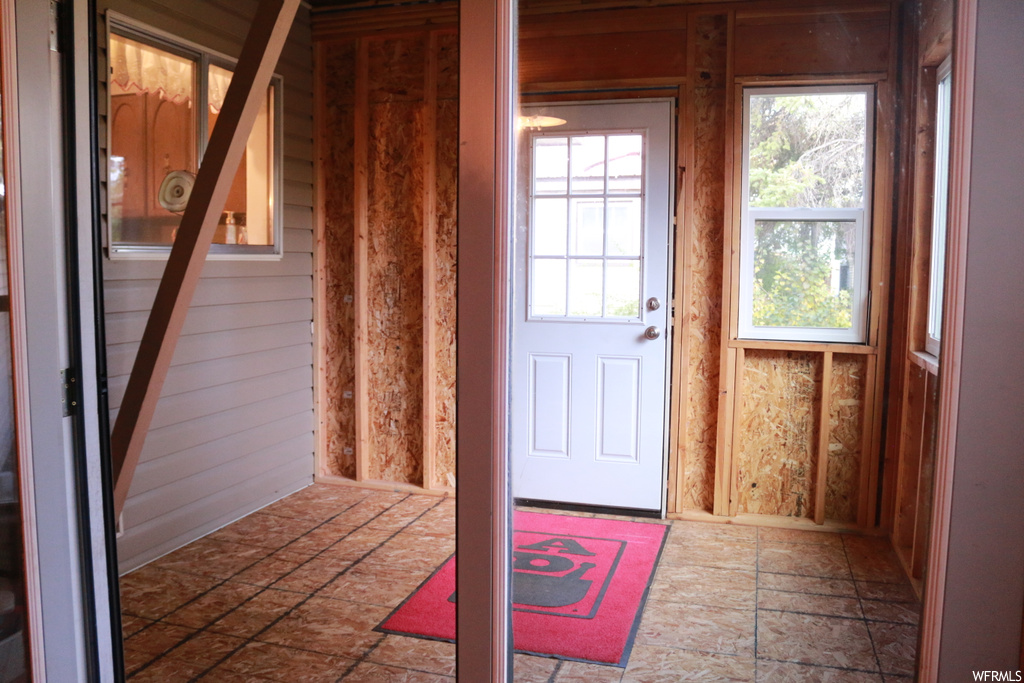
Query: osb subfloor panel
[(292, 593)]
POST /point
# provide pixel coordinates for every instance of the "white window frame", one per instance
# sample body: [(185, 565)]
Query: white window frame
[(940, 198), (123, 25), (857, 332)]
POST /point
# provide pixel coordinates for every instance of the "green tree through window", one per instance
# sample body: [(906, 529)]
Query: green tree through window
[(805, 175)]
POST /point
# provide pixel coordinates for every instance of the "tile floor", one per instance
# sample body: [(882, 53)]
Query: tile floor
[(292, 593)]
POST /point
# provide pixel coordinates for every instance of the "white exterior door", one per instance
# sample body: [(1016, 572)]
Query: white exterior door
[(591, 306)]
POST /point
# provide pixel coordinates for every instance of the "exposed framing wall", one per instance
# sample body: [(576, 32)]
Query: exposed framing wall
[(703, 54), (821, 406), (387, 108), (910, 445), (233, 430)]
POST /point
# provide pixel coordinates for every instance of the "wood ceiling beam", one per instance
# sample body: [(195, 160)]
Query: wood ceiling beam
[(245, 96)]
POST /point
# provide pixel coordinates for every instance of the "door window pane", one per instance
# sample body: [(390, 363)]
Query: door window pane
[(551, 166), (587, 227), (547, 287), (587, 164), (625, 163), (585, 287), (625, 218), (594, 232), (549, 221), (622, 292)]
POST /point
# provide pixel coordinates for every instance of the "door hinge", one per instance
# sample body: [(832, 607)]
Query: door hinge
[(68, 392), (55, 10)]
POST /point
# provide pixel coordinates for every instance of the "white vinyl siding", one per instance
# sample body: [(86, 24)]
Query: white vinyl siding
[(234, 427)]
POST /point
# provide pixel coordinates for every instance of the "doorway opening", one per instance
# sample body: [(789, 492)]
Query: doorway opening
[(591, 282)]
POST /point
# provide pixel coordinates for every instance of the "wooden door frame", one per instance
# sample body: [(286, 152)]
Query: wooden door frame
[(668, 376)]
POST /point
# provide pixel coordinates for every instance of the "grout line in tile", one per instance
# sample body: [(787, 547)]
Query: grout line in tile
[(363, 658), (849, 669), (809, 614), (757, 592), (220, 583), (309, 596), (860, 602), (554, 674), (360, 660)]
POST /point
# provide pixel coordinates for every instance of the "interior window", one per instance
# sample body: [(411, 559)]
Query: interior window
[(940, 196), (157, 136), (805, 220)]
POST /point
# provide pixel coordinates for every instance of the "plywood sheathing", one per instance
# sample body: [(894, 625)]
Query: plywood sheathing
[(619, 45), (847, 40), (395, 259), (705, 223), (846, 426), (775, 451), (337, 413), (447, 122)]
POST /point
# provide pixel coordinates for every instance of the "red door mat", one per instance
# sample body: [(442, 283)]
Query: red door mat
[(578, 588)]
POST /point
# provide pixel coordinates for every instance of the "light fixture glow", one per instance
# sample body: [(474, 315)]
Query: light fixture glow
[(537, 122)]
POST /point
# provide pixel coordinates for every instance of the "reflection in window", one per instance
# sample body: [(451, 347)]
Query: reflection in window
[(586, 226), (157, 136), (802, 273), (804, 231), (13, 605), (940, 198)]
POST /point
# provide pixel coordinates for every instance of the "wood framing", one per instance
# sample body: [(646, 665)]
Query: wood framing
[(727, 401), (964, 49), (245, 95), (429, 261), (320, 255), (732, 437), (361, 201), (680, 298), (824, 420)]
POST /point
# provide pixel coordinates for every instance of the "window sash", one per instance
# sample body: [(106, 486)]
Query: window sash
[(940, 197), (853, 334), (860, 216), (120, 25)]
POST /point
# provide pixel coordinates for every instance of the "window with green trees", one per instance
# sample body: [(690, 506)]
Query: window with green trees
[(804, 238)]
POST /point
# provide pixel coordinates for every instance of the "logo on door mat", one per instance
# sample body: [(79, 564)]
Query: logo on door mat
[(562, 574)]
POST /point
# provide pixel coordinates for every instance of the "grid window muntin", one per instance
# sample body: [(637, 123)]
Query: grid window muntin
[(567, 261), (859, 216), (203, 58)]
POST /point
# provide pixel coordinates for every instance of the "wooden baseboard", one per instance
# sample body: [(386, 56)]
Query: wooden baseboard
[(773, 521), (378, 485)]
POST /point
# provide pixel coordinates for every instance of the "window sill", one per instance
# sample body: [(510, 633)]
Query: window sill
[(924, 360), (162, 254), (833, 347)]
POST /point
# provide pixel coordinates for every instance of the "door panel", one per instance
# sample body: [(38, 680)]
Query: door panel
[(549, 409), (619, 412), (592, 248)]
